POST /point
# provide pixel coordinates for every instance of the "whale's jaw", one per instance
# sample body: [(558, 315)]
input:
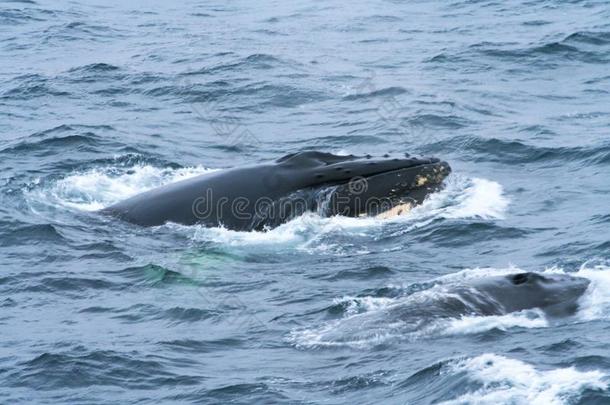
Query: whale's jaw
[(390, 193)]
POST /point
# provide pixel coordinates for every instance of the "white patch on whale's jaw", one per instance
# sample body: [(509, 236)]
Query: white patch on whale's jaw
[(401, 209)]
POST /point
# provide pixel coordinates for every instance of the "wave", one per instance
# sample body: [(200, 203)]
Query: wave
[(96, 74), (49, 146), (254, 61), (493, 379), (385, 92), (29, 235), (80, 31), (342, 141), (99, 78), (142, 313), (599, 38), (32, 86), (208, 99), (512, 151), (82, 367), (17, 17), (94, 68), (197, 347), (63, 136), (276, 95), (582, 46)]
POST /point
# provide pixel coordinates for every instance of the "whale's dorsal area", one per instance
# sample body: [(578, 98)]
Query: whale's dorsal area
[(434, 309), (555, 294), (268, 194), (313, 158)]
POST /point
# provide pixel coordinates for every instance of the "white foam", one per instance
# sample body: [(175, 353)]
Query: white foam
[(510, 381), (355, 305), (98, 188), (533, 318), (357, 331), (595, 304), (462, 198), (360, 327), (367, 321), (319, 337), (306, 233), (480, 199), (481, 272), (341, 152), (478, 272)]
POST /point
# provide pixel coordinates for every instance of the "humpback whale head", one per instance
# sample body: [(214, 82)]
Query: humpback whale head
[(556, 294), (366, 185)]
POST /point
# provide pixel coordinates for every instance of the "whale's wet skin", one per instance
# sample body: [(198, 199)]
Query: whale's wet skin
[(436, 310), (189, 212), (264, 196)]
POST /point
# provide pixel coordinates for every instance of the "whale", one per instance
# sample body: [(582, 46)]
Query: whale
[(263, 196), (431, 310), (556, 295)]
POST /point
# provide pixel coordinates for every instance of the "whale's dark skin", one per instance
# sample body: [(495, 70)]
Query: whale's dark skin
[(266, 195), (556, 295)]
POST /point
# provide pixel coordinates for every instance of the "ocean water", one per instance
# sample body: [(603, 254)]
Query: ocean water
[(101, 100)]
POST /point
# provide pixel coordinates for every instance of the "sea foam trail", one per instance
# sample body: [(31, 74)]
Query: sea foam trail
[(366, 321), (510, 381)]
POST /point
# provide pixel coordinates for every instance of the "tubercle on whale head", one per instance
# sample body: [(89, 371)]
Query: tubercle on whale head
[(392, 191), (322, 167)]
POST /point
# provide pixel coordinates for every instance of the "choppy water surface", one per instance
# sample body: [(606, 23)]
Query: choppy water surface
[(100, 101)]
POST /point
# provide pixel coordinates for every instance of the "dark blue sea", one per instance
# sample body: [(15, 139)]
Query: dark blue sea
[(102, 100)]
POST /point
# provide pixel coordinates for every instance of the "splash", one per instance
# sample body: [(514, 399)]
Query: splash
[(510, 381), (531, 318), (596, 303), (100, 187)]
